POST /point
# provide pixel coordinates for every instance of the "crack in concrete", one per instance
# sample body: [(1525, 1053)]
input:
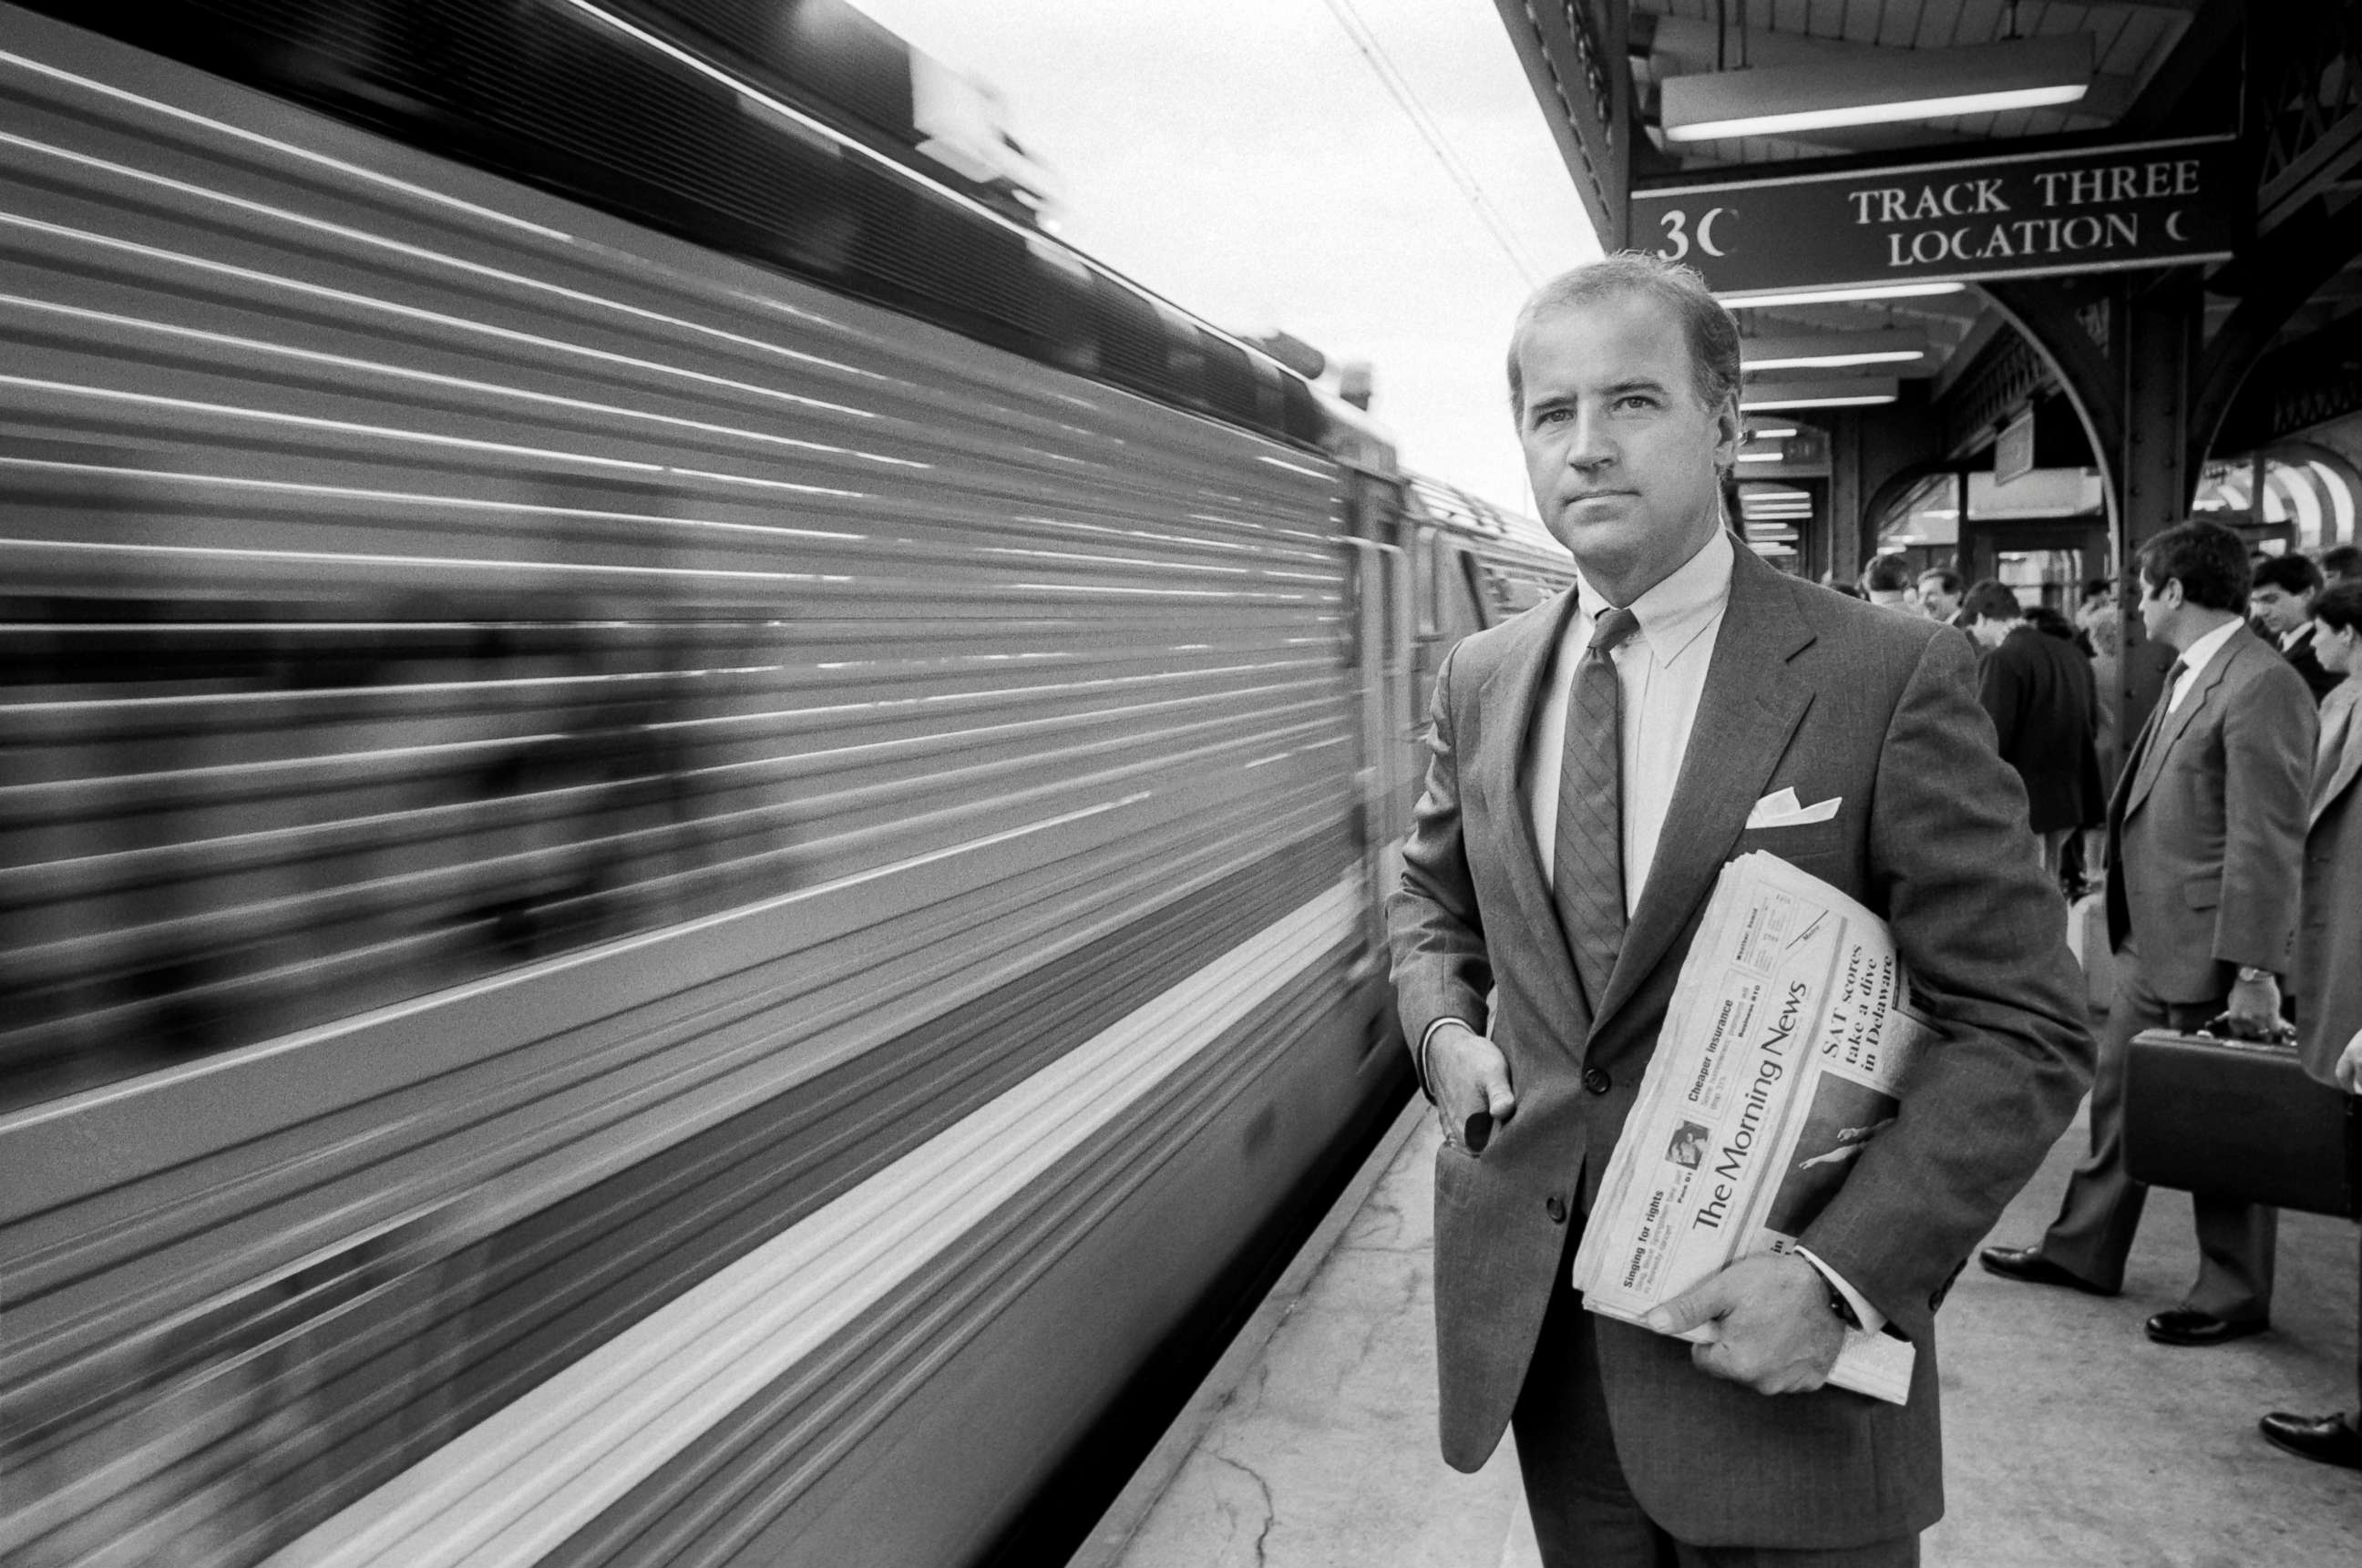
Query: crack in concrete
[(1270, 1510)]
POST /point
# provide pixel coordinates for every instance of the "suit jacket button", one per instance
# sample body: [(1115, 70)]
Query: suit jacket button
[(1597, 1080), (1557, 1207)]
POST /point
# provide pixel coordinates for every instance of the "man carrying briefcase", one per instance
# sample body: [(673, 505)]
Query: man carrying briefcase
[(2204, 835)]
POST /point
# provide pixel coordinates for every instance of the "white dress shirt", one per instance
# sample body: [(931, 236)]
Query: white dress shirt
[(2199, 655), (1661, 669)]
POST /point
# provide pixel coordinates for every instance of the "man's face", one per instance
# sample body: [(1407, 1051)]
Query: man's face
[(1990, 631), (1938, 605), (2279, 610), (2338, 651), (1622, 457)]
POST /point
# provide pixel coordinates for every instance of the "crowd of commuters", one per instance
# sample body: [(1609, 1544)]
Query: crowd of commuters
[(2233, 887)]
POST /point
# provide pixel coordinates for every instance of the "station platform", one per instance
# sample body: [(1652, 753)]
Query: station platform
[(2070, 1440)]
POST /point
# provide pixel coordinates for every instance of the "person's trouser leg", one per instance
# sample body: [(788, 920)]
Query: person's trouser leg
[(2235, 1247), (1902, 1553), (1584, 1515), (2052, 843), (2102, 1207)]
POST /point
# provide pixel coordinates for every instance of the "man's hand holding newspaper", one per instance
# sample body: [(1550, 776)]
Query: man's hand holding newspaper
[(1769, 1320), (1780, 1058)]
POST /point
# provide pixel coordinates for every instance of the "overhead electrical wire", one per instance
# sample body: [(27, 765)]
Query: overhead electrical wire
[(1390, 76)]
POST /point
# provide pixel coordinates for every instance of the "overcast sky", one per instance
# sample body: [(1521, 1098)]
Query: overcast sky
[(1244, 160)]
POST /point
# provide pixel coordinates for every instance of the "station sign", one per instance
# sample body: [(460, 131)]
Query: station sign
[(2153, 203)]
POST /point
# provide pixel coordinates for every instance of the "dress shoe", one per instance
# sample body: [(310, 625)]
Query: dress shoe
[(2330, 1438), (2028, 1265), (2185, 1326)]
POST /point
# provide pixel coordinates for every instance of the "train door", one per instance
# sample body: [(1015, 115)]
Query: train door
[(1381, 615)]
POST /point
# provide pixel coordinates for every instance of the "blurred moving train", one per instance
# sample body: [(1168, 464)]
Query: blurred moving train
[(691, 826)]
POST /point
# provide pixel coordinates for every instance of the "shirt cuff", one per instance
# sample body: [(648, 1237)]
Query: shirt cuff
[(1870, 1317), (1419, 1061)]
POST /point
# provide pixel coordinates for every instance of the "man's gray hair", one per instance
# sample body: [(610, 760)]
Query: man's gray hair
[(1713, 334)]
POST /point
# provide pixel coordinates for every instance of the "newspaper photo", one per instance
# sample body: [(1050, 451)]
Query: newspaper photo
[(1779, 1060)]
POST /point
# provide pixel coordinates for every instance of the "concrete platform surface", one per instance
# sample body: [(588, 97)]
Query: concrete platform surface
[(2070, 1439)]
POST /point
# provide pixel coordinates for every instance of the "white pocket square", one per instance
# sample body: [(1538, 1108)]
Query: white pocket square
[(1781, 808)]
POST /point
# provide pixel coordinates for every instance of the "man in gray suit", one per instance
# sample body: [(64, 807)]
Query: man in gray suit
[(1595, 763), (2205, 834), (2328, 972)]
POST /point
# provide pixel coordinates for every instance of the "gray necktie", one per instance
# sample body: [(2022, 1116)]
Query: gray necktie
[(2156, 716), (1587, 862)]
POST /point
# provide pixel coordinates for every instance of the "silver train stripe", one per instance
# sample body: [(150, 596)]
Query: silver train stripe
[(518, 1485)]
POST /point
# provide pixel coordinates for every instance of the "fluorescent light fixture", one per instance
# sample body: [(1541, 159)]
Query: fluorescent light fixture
[(1854, 393), (1771, 433), (1899, 85), (1761, 299), (1838, 361), (1762, 457), (1833, 350)]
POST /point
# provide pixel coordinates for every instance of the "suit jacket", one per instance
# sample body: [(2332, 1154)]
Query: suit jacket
[(2206, 830), (1835, 699), (2039, 693), (2328, 975), (2320, 682)]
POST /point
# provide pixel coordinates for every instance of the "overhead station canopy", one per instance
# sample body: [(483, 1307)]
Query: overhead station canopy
[(1899, 198)]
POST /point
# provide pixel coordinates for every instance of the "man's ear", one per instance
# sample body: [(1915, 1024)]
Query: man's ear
[(1730, 432)]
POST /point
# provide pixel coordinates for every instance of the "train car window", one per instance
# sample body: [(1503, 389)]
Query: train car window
[(1300, 416), (1270, 400), (1230, 379), (1184, 361), (1130, 336), (950, 266), (1435, 559), (1512, 592), (1064, 289), (1460, 606), (825, 47)]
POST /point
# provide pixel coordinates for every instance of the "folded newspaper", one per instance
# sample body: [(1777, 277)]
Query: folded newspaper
[(1779, 1061)]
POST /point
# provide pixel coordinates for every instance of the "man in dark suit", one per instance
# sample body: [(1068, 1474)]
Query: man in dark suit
[(2280, 599), (2039, 691), (2205, 835), (1886, 583), (2328, 973), (1595, 763)]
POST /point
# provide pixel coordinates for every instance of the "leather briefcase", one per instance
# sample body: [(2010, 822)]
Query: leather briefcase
[(2239, 1119)]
